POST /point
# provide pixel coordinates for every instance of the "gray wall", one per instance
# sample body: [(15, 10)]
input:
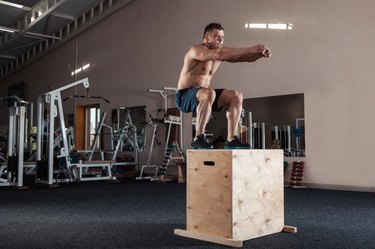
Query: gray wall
[(327, 56)]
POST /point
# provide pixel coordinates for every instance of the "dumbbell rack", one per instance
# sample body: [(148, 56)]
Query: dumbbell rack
[(296, 176)]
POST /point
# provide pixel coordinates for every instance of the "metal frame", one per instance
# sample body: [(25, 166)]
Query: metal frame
[(53, 100), (250, 129), (16, 142), (96, 136), (97, 164), (298, 140), (165, 93), (284, 139), (54, 103), (121, 132), (128, 123), (148, 165)]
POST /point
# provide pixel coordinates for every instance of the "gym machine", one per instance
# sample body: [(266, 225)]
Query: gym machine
[(283, 134), (89, 154), (300, 138), (256, 131), (169, 150), (49, 109), (149, 165), (123, 137), (13, 168)]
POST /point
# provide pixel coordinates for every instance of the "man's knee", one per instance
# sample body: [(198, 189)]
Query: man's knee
[(207, 94), (237, 97)]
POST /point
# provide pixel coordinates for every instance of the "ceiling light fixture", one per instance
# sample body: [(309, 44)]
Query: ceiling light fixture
[(11, 4), (78, 70), (285, 26), (7, 30)]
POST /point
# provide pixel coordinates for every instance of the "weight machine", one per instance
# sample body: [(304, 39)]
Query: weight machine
[(283, 134), (125, 136), (14, 162), (149, 165), (256, 131), (121, 135), (49, 108), (170, 120)]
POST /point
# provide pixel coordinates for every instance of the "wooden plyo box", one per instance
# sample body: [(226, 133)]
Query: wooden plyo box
[(234, 195)]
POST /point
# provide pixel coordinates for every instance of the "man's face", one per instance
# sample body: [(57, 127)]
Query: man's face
[(214, 38)]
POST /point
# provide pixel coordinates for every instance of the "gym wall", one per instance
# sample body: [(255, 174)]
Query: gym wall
[(327, 56)]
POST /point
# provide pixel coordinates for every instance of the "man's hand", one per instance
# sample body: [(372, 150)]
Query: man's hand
[(267, 52), (263, 50)]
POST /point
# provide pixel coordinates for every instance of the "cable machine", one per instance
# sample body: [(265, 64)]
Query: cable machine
[(16, 142), (49, 113)]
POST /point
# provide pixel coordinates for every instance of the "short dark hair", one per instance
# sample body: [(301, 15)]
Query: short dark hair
[(212, 26)]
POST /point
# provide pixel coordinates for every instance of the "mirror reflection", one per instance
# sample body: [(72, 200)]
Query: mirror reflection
[(132, 121), (274, 122)]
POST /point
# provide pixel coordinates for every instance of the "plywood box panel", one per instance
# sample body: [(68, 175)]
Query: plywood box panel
[(258, 193), (209, 201)]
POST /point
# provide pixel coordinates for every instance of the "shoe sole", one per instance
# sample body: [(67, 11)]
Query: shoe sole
[(200, 148), (237, 148)]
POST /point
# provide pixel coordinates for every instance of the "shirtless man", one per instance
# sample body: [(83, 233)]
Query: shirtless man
[(195, 94)]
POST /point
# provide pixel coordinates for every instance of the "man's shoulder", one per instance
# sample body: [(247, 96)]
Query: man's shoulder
[(194, 50), (198, 46)]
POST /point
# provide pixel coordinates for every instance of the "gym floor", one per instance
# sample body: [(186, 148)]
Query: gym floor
[(145, 214)]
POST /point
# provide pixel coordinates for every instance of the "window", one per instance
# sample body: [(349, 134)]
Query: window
[(285, 26), (92, 122)]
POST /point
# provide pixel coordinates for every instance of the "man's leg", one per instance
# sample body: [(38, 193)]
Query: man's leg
[(232, 101), (205, 98)]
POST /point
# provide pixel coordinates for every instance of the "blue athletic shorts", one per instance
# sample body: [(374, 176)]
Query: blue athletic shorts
[(186, 99)]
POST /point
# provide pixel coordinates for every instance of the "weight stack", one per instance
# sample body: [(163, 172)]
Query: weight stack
[(296, 176), (13, 166), (42, 170)]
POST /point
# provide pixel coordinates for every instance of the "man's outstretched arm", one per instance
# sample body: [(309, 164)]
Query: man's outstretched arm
[(201, 53), (254, 53)]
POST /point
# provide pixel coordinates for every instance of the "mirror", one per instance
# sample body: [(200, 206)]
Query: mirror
[(122, 117), (276, 122)]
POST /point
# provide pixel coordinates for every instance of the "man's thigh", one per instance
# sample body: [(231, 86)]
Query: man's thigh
[(186, 100), (226, 98)]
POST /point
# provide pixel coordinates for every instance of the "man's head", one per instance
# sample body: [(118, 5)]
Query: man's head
[(213, 36)]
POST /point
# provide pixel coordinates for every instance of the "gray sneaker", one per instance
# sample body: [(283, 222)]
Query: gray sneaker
[(200, 143), (236, 144)]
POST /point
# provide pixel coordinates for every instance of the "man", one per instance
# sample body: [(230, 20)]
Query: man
[(195, 94)]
